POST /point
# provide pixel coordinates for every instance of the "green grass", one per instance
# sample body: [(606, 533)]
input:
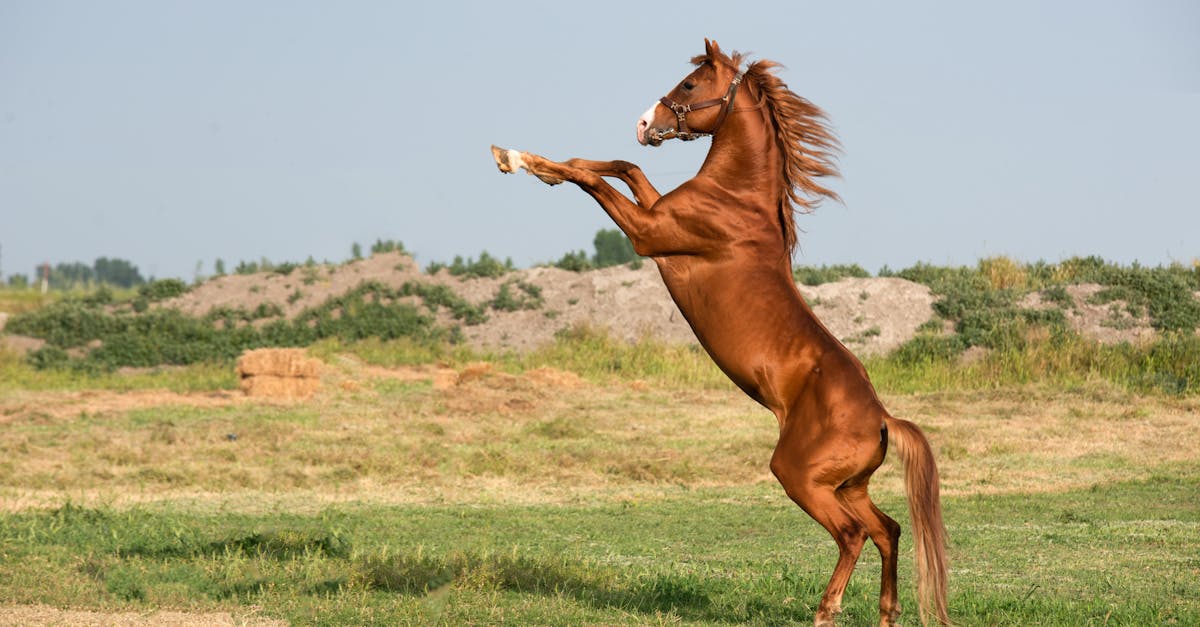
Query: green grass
[(1124, 553), (16, 374), (1049, 358)]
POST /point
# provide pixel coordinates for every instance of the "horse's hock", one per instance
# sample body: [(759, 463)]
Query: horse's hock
[(279, 373)]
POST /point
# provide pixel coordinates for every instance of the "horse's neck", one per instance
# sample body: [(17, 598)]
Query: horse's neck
[(744, 155)]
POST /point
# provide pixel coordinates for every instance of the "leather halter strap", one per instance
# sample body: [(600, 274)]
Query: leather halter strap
[(681, 111)]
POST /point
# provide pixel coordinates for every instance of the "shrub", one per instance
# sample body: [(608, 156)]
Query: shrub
[(530, 297), (66, 324), (162, 289), (927, 348), (486, 266), (574, 262), (813, 275), (436, 296), (1003, 273), (387, 246)]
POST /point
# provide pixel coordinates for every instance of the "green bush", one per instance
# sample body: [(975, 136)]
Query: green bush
[(530, 297), (574, 262), (487, 266), (162, 289), (387, 246), (813, 275), (67, 323), (436, 296)]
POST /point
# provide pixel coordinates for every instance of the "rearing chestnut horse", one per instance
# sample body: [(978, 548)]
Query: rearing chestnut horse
[(723, 243)]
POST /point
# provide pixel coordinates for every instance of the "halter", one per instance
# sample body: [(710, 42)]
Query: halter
[(681, 111)]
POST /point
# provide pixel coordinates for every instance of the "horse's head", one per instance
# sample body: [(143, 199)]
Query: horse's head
[(698, 104)]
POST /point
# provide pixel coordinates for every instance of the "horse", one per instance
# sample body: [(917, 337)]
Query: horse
[(723, 242)]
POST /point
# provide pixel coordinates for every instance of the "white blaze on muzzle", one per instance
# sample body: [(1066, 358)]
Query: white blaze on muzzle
[(643, 124)]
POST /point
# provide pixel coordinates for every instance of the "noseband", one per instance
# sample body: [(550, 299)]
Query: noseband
[(681, 111)]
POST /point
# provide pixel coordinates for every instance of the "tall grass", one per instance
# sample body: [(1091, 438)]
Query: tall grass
[(1052, 359)]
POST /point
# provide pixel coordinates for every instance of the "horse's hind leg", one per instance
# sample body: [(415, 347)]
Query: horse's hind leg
[(806, 483), (885, 533)]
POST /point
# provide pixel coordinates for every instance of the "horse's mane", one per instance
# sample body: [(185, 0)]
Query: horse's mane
[(807, 144)]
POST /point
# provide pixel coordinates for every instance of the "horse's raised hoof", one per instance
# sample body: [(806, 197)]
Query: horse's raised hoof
[(510, 161), (507, 160)]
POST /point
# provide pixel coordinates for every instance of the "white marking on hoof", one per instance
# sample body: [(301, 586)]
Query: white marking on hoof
[(508, 161), (514, 160)]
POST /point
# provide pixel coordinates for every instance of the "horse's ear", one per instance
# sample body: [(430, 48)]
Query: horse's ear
[(711, 49)]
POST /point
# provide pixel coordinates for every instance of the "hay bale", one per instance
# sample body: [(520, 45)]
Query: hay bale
[(280, 362), (279, 373), (272, 386)]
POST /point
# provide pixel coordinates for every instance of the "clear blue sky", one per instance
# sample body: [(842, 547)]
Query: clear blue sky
[(172, 133)]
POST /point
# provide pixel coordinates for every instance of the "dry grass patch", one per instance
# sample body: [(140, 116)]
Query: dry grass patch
[(546, 436), (46, 615), (1035, 440)]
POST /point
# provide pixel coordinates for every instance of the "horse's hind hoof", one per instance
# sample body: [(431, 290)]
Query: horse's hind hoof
[(509, 161)]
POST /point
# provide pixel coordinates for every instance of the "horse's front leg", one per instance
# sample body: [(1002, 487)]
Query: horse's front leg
[(637, 221), (509, 161), (512, 160), (645, 193)]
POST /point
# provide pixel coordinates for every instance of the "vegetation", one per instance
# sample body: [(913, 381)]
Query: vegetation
[(75, 275), (101, 330), (814, 275), (612, 248), (135, 336), (487, 266)]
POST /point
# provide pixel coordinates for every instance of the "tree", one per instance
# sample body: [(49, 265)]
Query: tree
[(356, 251), (219, 267), (612, 248), (68, 275), (117, 272)]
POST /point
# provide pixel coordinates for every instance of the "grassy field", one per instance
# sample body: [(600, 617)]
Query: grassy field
[(621, 486)]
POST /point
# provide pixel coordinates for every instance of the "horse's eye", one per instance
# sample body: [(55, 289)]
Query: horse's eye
[(688, 85)]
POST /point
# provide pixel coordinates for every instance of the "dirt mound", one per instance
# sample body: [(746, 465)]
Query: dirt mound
[(870, 315), (1108, 323)]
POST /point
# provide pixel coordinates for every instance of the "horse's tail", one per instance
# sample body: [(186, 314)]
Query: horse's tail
[(925, 508)]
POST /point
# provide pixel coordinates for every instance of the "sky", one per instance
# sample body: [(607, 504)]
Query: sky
[(173, 134)]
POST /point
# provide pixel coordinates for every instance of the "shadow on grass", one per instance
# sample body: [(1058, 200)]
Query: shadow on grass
[(689, 596)]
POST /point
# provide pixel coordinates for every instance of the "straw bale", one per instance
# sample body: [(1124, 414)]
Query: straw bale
[(280, 362), (272, 386)]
